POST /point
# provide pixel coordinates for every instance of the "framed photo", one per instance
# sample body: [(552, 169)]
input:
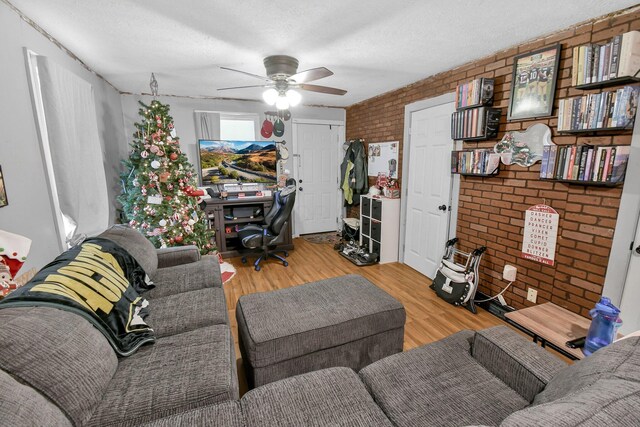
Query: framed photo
[(533, 84), (3, 192)]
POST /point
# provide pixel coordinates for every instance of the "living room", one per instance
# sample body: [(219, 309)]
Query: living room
[(593, 223)]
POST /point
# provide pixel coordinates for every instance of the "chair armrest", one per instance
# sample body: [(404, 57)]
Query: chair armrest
[(169, 257), (518, 362)]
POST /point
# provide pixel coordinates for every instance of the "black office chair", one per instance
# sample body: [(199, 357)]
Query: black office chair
[(264, 238)]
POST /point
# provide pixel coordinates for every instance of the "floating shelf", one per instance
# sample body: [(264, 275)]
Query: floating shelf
[(611, 82), (590, 183), (616, 129)]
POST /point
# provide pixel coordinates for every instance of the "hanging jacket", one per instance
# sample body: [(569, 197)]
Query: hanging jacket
[(357, 175)]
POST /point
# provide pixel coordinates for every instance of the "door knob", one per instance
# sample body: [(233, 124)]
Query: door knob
[(300, 181), (442, 207), (638, 249), (300, 188)]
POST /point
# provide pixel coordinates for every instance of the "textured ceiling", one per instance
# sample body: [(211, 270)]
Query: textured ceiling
[(372, 46)]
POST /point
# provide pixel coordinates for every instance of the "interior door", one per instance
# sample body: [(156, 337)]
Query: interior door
[(317, 147), (631, 295), (429, 188)]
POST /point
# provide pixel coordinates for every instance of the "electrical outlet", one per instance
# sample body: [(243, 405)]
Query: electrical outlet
[(502, 300), (532, 295)]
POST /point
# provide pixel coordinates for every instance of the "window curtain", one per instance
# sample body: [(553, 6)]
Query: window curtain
[(77, 159), (207, 125)]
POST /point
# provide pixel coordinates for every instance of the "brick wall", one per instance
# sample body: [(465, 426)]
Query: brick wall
[(491, 210)]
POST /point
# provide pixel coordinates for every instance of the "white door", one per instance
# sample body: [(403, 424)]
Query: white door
[(317, 147), (631, 295), (428, 188)]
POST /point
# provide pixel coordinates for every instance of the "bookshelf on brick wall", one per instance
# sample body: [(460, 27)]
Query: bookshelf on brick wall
[(613, 63), (585, 164), (474, 119), (609, 110), (480, 162)]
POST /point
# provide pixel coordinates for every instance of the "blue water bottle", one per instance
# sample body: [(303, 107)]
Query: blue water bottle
[(604, 324)]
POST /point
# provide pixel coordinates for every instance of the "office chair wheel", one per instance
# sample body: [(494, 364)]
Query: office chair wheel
[(285, 263), (244, 259), (257, 268), (286, 253)]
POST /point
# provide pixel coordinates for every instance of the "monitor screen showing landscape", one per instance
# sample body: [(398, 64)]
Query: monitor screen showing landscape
[(226, 162)]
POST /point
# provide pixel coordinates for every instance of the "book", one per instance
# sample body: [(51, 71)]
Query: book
[(588, 165), (581, 54), (620, 163), (596, 164), (615, 53), (606, 155), (571, 162), (562, 153), (601, 161), (551, 167), (583, 162), (545, 161), (611, 159), (588, 63), (629, 60), (576, 154), (493, 161), (574, 66), (567, 163), (607, 62)]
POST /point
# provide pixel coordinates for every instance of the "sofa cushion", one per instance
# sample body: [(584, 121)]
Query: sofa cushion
[(440, 384), (607, 402), (619, 360), (186, 277), (58, 353), (175, 314), (177, 373), (20, 405), (287, 323), (225, 414), (136, 244), (329, 397)]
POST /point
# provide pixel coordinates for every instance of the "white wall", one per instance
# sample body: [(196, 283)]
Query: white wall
[(182, 110), (29, 211)]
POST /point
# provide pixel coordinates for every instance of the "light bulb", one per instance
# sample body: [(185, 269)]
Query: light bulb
[(293, 97), (282, 103), (270, 96)]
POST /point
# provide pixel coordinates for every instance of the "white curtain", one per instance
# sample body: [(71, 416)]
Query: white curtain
[(77, 159), (207, 125)]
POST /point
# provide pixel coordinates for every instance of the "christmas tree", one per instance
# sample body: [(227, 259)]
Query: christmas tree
[(159, 185)]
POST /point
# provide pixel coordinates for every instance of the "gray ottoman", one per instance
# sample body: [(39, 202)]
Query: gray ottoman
[(344, 321)]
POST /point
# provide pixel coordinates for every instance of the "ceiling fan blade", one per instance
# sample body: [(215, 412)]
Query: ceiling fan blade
[(248, 74), (322, 89), (242, 87), (311, 75)]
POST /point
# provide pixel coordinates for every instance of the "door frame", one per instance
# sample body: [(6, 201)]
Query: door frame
[(295, 155), (406, 152), (626, 225)]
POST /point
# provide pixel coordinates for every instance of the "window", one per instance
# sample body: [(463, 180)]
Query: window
[(238, 127)]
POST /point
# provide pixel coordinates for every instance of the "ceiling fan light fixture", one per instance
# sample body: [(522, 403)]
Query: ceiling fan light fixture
[(293, 97), (270, 96), (282, 103)]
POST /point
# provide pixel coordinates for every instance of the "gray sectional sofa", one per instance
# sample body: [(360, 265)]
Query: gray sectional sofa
[(58, 370)]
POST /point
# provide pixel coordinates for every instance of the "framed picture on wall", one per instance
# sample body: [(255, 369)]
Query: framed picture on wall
[(533, 84), (3, 192)]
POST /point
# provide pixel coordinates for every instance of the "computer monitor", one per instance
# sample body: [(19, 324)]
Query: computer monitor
[(227, 162)]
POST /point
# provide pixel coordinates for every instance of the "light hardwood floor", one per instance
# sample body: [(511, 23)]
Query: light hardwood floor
[(428, 317)]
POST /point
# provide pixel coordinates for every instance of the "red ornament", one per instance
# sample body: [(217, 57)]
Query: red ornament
[(167, 198), (179, 239), (173, 156)]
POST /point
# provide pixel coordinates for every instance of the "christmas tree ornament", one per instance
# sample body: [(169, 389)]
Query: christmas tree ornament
[(155, 164), (179, 238), (173, 156), (162, 223), (164, 177), (154, 149), (144, 154)]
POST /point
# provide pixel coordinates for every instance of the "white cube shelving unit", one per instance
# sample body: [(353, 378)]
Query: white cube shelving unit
[(380, 226)]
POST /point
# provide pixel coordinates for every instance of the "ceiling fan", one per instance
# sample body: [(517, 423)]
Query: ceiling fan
[(283, 79)]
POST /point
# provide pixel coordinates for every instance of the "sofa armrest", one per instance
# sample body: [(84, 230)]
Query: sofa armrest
[(518, 362), (169, 257)]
